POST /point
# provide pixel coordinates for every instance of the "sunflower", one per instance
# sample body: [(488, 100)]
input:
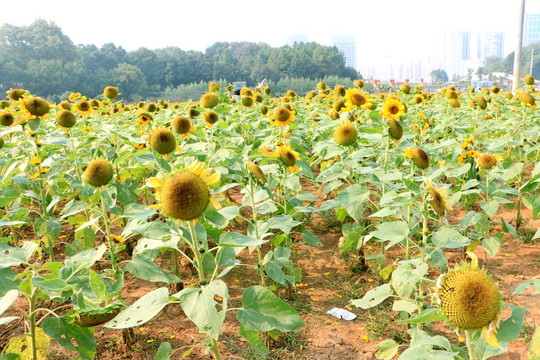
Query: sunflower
[(74, 96), (487, 161), (65, 118), (163, 141), (16, 94), (283, 116), (470, 299), (395, 129), (356, 98), (345, 134), (256, 171), (418, 99), (83, 107), (288, 157), (209, 100), (6, 118), (528, 79), (144, 118), (419, 157), (210, 117), (34, 106), (393, 108), (266, 151), (110, 92), (182, 125), (98, 172), (437, 198), (185, 195)]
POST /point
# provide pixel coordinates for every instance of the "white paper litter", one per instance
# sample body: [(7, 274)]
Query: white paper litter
[(342, 314)]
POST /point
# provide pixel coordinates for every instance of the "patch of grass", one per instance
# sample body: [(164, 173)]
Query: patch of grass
[(382, 323)]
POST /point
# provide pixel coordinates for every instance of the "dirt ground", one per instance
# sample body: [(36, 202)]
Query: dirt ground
[(327, 281)]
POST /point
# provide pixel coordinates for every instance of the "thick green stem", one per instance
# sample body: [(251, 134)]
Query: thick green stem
[(469, 342), (195, 250), (110, 245), (32, 323), (385, 165), (215, 349), (255, 226)]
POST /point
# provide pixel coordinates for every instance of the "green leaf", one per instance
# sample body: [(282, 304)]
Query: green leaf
[(510, 328), (264, 311), (509, 229), (34, 123), (393, 232), (534, 349), (491, 245), (526, 284), (234, 239), (292, 183), (22, 346), (4, 222), (73, 207), (201, 307), (448, 237), (163, 164), (97, 285), (164, 351), (86, 258), (490, 208), (71, 336), (405, 305), (11, 256), (387, 349), (426, 316), (533, 203), (141, 311), (144, 268), (8, 300), (311, 238), (536, 235), (373, 297), (254, 340), (138, 212), (284, 223), (216, 219), (51, 287)]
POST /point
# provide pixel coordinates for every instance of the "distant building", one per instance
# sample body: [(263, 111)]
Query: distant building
[(532, 29), (490, 44), (347, 46), (297, 38), (457, 49)]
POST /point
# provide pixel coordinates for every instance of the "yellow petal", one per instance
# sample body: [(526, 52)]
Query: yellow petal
[(35, 160), (154, 182), (215, 203), (34, 176), (155, 206), (178, 148), (212, 179), (196, 167), (474, 260), (407, 153), (489, 336), (204, 173)]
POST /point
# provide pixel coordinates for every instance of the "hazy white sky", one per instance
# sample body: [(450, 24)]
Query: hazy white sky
[(383, 29)]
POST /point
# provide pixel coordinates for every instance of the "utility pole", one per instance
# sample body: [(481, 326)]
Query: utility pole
[(517, 54)]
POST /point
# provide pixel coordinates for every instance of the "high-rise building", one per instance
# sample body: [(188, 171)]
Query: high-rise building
[(297, 38), (347, 46), (490, 44), (456, 50), (532, 29)]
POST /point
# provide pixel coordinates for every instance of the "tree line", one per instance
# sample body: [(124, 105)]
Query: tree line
[(43, 60)]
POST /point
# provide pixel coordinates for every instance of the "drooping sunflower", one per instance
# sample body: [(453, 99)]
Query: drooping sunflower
[(470, 299), (16, 94), (209, 100), (393, 108), (110, 92), (395, 129), (34, 106), (288, 157), (210, 117), (98, 172), (266, 151), (487, 161), (256, 171), (437, 198), (185, 195), (182, 125), (66, 118), (283, 116), (163, 141), (419, 157), (6, 118)]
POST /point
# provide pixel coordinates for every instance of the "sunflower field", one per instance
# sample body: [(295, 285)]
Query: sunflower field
[(229, 227)]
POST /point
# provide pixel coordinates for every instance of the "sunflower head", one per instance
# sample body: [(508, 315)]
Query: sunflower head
[(287, 155), (110, 92), (345, 134), (395, 129), (246, 92), (163, 141), (418, 99), (529, 80), (83, 107), (419, 157), (4, 104), (487, 161), (184, 196), (438, 199), (247, 101), (469, 298), (339, 90), (282, 113), (151, 107), (98, 172), (94, 103), (472, 103), (1, 142), (257, 96), (36, 106), (256, 171), (211, 117), (454, 103), (334, 115), (356, 97), (213, 87), (65, 118), (405, 88), (193, 112), (393, 108), (527, 99), (65, 105), (339, 104), (209, 100), (495, 89), (481, 101), (451, 94), (181, 124), (321, 85), (140, 104), (264, 110), (6, 118), (359, 83), (16, 94)]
